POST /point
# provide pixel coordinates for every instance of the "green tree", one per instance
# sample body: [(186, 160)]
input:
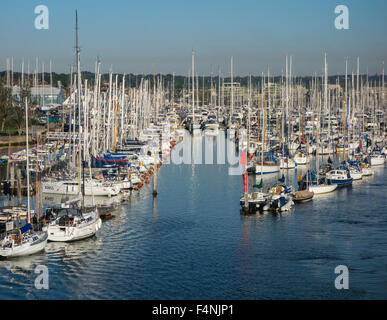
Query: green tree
[(6, 105)]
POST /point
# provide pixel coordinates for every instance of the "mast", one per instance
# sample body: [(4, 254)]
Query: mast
[(80, 154), (326, 106), (232, 89), (193, 88), (28, 167), (318, 133), (382, 100), (263, 122)]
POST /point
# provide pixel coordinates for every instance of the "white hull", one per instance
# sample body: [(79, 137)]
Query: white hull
[(325, 151), (25, 249), (300, 160), (356, 175), (322, 188), (287, 164), (367, 172), (379, 161), (65, 188), (70, 233), (210, 132), (287, 206), (265, 169)]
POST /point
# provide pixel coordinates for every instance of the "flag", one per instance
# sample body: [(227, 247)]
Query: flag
[(243, 158), (258, 186), (9, 226)]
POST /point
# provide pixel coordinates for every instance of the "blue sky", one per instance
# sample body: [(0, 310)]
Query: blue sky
[(135, 36)]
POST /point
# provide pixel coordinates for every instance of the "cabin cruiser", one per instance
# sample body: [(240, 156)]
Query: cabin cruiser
[(340, 177), (256, 200)]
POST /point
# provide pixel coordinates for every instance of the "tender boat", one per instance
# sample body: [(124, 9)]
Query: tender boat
[(302, 196)]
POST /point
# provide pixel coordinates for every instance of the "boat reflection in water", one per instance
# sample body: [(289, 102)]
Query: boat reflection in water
[(99, 202), (67, 251)]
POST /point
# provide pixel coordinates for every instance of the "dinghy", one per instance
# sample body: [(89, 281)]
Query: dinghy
[(302, 196)]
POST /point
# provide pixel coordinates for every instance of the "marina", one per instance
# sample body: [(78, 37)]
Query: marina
[(203, 186), (191, 242)]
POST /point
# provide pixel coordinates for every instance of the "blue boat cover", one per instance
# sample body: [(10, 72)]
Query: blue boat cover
[(25, 228)]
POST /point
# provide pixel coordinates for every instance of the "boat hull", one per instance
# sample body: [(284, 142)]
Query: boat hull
[(266, 169), (356, 175), (25, 250), (341, 182), (69, 233), (377, 161), (287, 164), (323, 188)]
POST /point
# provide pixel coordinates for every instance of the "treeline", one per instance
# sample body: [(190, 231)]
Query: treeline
[(12, 110)]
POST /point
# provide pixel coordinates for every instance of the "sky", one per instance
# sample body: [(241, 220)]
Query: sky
[(153, 35)]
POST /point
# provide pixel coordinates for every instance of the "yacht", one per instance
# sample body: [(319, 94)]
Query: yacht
[(72, 187), (71, 224)]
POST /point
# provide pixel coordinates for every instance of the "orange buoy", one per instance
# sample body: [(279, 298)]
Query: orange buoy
[(147, 181), (158, 166)]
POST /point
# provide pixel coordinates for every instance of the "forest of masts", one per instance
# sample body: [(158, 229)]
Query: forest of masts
[(110, 111)]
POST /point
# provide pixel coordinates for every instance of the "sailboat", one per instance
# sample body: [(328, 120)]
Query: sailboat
[(319, 186), (268, 163), (303, 194), (24, 241), (257, 200), (286, 162), (194, 125), (74, 223)]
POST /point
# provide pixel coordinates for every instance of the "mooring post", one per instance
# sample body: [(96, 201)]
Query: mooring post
[(246, 206), (19, 186), (156, 173)]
